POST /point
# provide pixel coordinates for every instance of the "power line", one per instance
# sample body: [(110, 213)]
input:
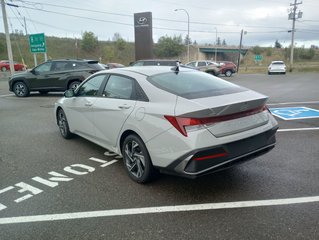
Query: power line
[(131, 16)]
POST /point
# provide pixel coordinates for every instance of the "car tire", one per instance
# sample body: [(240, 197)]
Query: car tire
[(136, 160), (228, 73), (269, 73), (63, 124), (3, 69), (43, 92), (73, 85), (20, 89)]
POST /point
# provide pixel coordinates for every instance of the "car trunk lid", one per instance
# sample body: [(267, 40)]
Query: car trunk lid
[(225, 114)]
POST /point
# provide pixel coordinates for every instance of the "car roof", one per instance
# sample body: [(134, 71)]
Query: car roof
[(74, 60), (278, 62), (148, 70)]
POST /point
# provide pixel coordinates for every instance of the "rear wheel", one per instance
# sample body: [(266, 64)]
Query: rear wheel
[(228, 73), (136, 159), (63, 124), (20, 89), (73, 85)]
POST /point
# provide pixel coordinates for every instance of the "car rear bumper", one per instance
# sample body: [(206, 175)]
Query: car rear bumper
[(204, 161)]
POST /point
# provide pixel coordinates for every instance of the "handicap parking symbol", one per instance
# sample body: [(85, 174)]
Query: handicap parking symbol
[(292, 113)]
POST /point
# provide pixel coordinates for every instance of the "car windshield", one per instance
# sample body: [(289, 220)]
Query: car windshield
[(193, 85)]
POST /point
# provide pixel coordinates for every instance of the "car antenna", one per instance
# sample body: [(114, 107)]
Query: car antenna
[(176, 68)]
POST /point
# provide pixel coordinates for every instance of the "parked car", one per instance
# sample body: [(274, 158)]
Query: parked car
[(277, 67), (53, 75), (113, 65), (173, 120), (154, 62), (5, 66), (227, 68), (205, 66)]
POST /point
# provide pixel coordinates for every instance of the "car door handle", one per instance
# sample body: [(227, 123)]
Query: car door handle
[(124, 107), (88, 104)]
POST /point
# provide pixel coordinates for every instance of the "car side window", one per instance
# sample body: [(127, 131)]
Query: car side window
[(45, 67), (139, 63), (91, 87), (68, 66), (58, 66), (118, 87), (201, 64)]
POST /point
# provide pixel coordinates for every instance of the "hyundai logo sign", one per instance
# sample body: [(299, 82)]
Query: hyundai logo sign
[(142, 21)]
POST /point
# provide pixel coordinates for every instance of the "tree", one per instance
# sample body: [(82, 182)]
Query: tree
[(224, 42), (187, 40), (89, 41), (218, 42), (278, 44), (169, 47), (116, 37)]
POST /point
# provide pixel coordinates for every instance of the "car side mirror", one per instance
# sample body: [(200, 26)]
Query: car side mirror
[(69, 93)]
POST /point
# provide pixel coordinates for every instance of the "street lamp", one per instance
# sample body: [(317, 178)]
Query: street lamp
[(182, 9), (216, 46)]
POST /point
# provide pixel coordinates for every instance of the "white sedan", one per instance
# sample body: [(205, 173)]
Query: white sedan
[(166, 119), (277, 67)]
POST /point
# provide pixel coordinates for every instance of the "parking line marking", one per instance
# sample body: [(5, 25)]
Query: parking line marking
[(298, 129), (8, 95), (162, 209)]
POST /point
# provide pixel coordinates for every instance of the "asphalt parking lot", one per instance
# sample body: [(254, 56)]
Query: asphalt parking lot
[(52, 188)]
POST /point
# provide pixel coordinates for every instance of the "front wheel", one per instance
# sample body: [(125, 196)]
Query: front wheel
[(228, 73), (63, 124), (3, 69), (136, 159), (73, 85), (20, 89)]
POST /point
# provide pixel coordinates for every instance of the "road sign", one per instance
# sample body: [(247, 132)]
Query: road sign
[(258, 57), (37, 43), (292, 113)]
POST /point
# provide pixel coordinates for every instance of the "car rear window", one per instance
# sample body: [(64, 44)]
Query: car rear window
[(277, 63), (193, 85)]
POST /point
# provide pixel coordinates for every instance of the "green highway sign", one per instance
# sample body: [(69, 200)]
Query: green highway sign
[(37, 43), (258, 57)]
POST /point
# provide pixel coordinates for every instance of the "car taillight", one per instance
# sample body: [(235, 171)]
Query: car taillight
[(180, 123)]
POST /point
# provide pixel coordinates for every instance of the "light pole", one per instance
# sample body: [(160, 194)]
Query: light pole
[(216, 46), (182, 9)]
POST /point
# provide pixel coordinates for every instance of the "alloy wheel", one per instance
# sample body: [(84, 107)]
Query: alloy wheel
[(134, 159), (62, 123)]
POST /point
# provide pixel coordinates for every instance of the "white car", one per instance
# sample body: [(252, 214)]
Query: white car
[(170, 119), (277, 67)]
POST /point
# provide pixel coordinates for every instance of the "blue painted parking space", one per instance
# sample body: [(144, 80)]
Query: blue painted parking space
[(292, 113)]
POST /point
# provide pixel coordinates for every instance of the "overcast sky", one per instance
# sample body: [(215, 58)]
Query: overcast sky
[(263, 20)]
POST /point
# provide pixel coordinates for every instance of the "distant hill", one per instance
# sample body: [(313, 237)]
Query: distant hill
[(57, 48)]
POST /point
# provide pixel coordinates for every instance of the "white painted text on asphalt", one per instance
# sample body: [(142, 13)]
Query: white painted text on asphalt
[(53, 179)]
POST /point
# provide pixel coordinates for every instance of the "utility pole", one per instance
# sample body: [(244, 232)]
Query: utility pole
[(240, 43), (5, 23), (292, 16), (25, 26)]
